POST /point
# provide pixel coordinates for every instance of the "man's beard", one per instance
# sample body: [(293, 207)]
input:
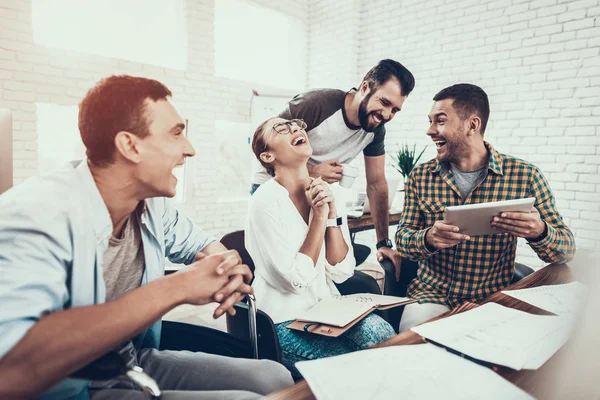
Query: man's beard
[(363, 115), (455, 150)]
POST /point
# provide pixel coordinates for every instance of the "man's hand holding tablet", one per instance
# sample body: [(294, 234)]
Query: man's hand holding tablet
[(517, 217), (442, 235), (527, 225)]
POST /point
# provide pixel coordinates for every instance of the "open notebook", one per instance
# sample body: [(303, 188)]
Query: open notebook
[(337, 314)]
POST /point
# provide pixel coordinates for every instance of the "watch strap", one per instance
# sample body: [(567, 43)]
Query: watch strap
[(384, 243), (334, 222)]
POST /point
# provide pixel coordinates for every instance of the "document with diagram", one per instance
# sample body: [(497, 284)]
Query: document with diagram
[(501, 335)]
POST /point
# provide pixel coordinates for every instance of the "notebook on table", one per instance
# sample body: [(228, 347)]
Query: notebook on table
[(335, 315)]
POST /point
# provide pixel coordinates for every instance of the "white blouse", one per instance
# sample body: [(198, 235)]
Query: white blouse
[(286, 281)]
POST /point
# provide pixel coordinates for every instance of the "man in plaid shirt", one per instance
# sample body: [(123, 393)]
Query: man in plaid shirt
[(453, 267)]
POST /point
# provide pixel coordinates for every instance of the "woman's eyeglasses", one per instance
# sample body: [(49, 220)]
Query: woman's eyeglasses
[(286, 127)]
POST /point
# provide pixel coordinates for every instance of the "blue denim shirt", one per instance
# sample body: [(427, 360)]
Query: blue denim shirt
[(54, 230)]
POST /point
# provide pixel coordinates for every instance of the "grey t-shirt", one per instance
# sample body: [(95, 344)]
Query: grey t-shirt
[(330, 133), (123, 267), (466, 181), (123, 262)]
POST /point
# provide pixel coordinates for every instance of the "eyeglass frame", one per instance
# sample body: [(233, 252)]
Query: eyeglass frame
[(288, 126)]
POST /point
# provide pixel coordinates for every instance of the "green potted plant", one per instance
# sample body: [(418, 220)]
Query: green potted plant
[(404, 160)]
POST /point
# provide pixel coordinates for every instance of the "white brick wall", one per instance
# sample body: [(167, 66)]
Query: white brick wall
[(31, 73), (537, 60), (333, 43)]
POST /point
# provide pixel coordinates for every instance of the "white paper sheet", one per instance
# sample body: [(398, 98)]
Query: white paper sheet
[(405, 372), (566, 299), (501, 335)]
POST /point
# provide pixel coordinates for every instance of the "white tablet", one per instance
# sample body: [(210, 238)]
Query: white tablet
[(475, 219)]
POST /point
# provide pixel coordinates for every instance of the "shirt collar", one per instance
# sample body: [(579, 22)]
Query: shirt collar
[(494, 161), (100, 218)]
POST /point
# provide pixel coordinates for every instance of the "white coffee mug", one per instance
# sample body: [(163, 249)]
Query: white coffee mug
[(349, 174)]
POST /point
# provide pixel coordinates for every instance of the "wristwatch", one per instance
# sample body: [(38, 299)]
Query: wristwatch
[(334, 222), (542, 236), (384, 243)]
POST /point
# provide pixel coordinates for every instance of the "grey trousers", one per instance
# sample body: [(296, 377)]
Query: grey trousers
[(183, 375)]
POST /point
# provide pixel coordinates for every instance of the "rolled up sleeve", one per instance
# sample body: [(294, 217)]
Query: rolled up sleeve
[(558, 246), (305, 271), (410, 236), (343, 270)]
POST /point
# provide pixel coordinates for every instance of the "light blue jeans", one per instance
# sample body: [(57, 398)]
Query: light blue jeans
[(300, 346)]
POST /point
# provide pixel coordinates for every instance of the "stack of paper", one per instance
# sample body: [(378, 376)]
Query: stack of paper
[(397, 372), (565, 300), (500, 335)]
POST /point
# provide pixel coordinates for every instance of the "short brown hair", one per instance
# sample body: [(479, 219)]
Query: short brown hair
[(468, 99), (259, 146), (386, 70), (113, 105)]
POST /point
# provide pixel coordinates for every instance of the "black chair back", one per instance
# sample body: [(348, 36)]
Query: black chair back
[(268, 342), (238, 326), (408, 271), (235, 241), (182, 336), (361, 252), (521, 271), (359, 283)]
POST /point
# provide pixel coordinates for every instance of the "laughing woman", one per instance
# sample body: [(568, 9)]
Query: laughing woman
[(299, 247)]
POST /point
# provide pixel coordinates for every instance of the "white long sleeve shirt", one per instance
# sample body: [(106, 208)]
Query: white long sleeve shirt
[(286, 281)]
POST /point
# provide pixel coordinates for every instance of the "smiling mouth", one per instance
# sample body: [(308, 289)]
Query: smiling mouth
[(378, 119), (299, 141), (175, 168), (439, 143)]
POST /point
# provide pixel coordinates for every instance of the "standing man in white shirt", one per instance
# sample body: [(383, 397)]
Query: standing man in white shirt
[(342, 124)]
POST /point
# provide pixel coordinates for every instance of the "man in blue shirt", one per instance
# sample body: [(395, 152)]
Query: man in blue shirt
[(82, 254)]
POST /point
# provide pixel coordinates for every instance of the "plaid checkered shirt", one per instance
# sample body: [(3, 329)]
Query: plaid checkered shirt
[(474, 269)]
